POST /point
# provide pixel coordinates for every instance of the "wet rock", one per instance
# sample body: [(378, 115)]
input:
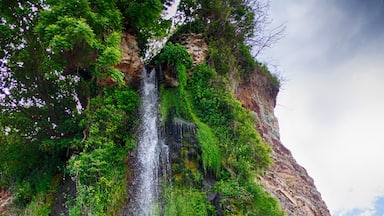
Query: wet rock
[(170, 76), (184, 152), (67, 188)]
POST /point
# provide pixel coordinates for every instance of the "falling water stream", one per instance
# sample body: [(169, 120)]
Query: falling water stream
[(148, 155)]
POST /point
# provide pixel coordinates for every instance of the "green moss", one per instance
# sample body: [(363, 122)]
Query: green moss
[(241, 146), (209, 147), (167, 102), (186, 202), (230, 145), (247, 198)]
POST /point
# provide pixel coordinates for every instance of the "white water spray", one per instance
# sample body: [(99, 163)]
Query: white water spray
[(148, 155)]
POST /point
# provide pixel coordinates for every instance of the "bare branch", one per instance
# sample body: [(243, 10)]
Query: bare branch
[(260, 43)]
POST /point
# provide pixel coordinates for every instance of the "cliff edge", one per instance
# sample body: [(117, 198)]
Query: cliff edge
[(286, 179)]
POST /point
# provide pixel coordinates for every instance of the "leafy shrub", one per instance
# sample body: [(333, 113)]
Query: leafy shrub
[(175, 55), (143, 18), (209, 147), (186, 202), (247, 198), (273, 78), (39, 206), (99, 169), (240, 143)]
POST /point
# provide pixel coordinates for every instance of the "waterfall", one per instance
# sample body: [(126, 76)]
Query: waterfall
[(149, 152)]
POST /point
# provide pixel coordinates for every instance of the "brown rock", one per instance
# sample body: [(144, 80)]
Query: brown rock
[(286, 179), (130, 64), (5, 202), (196, 47), (170, 76)]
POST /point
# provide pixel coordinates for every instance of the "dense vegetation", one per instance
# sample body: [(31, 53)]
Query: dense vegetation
[(57, 123), (232, 150)]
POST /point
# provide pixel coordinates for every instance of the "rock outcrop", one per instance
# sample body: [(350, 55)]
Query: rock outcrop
[(5, 202), (196, 47), (184, 150), (130, 64), (286, 179)]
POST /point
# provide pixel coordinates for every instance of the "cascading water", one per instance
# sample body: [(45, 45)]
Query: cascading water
[(149, 150)]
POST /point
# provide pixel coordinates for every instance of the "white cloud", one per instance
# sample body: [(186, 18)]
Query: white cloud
[(333, 126), (331, 108)]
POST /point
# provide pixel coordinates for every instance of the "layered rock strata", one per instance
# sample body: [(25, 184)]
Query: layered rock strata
[(286, 179)]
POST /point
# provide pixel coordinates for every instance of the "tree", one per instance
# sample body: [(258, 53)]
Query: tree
[(232, 20), (52, 53)]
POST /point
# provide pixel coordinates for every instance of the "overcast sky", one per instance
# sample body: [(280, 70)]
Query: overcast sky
[(331, 105)]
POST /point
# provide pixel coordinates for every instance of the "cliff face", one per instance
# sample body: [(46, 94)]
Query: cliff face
[(286, 179), (130, 63)]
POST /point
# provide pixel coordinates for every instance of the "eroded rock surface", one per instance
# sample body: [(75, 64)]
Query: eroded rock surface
[(196, 47), (5, 202), (130, 64), (286, 179)]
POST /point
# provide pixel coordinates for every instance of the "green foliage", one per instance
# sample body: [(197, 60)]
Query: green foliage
[(111, 116), (221, 57), (90, 29), (186, 201), (209, 147), (243, 153), (55, 116), (177, 60), (26, 169), (273, 78), (179, 101), (232, 29), (143, 18), (175, 55), (167, 101), (101, 188), (232, 20), (234, 127), (99, 169), (247, 199), (230, 145), (38, 206)]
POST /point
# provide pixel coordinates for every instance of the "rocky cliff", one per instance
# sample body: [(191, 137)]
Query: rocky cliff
[(286, 179)]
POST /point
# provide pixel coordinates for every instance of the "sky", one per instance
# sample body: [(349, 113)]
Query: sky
[(330, 107)]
